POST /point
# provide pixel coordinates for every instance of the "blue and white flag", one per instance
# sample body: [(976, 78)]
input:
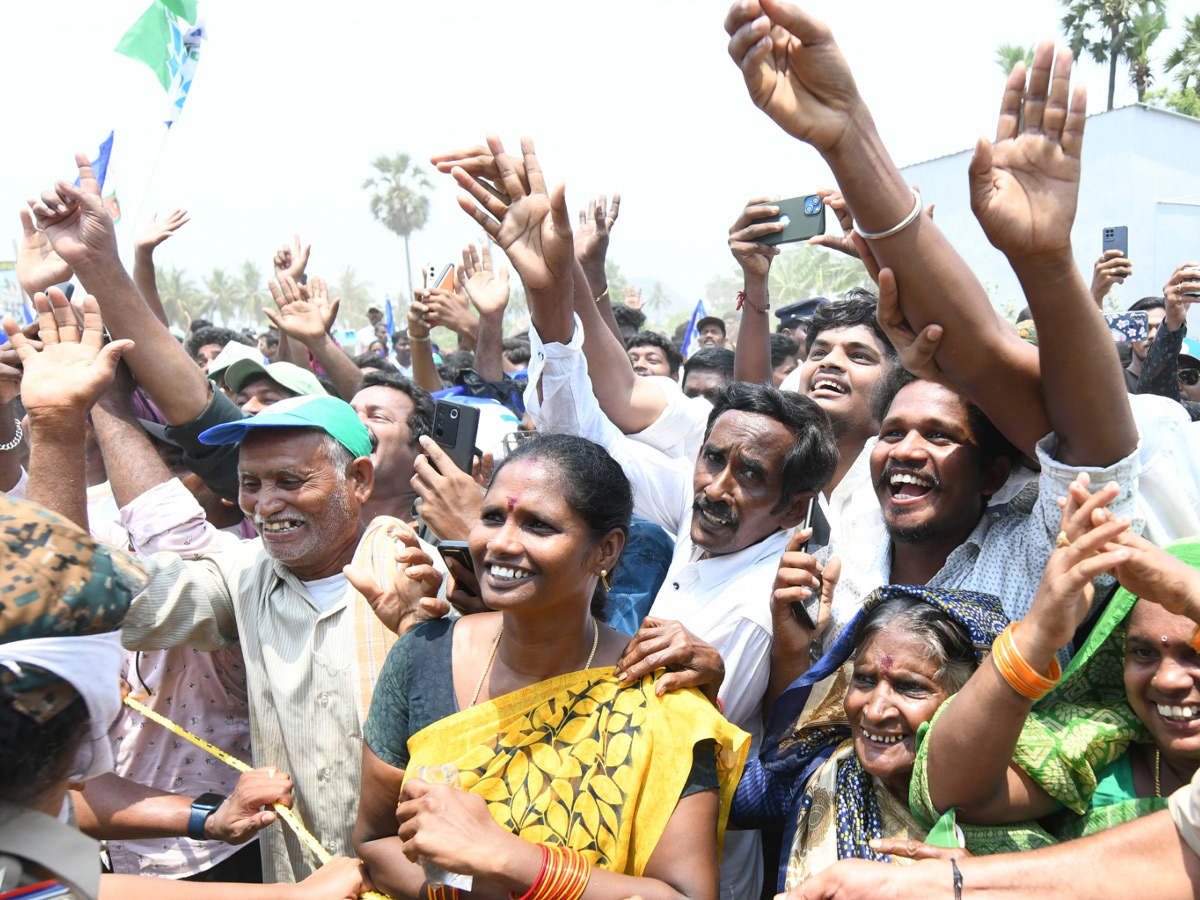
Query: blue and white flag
[(691, 337), (389, 318)]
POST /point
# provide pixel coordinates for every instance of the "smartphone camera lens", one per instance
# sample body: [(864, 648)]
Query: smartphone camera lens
[(439, 431), (454, 413)]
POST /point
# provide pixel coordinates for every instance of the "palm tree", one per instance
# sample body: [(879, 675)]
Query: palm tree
[(1008, 55), (356, 297), (399, 202), (1144, 30), (178, 294), (1101, 28), (796, 274), (222, 301), (251, 285), (1186, 57)]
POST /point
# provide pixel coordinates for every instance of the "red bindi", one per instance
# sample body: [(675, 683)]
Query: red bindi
[(885, 662), (512, 501)]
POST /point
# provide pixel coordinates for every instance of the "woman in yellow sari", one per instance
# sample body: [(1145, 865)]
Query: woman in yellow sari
[(572, 785)]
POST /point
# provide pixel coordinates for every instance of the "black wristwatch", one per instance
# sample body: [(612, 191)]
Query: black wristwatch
[(202, 807)]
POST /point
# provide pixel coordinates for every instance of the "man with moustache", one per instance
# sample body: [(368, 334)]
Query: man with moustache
[(765, 454)]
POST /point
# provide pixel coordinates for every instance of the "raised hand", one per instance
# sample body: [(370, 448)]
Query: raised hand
[(534, 230), (481, 164), (38, 267), (1184, 281), (448, 309), (745, 234), (156, 232), (486, 289), (291, 261), (592, 236), (794, 71), (73, 368), (1025, 187), (412, 596), (78, 227), (1111, 268), (1151, 573), (299, 317), (632, 297)]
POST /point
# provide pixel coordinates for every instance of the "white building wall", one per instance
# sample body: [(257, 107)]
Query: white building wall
[(1141, 169)]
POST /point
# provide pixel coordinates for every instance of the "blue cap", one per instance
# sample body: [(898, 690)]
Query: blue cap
[(335, 417), (1190, 348)]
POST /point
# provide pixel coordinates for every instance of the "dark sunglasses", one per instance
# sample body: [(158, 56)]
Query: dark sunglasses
[(1189, 376)]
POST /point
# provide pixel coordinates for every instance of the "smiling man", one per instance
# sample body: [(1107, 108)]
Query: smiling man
[(313, 638), (765, 455)]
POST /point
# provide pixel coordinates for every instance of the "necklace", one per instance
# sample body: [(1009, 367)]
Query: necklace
[(496, 646), (1157, 776)]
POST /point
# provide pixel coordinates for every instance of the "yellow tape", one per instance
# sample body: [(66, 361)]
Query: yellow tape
[(306, 836)]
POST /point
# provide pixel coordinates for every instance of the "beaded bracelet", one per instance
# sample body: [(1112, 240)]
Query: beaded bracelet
[(1021, 676)]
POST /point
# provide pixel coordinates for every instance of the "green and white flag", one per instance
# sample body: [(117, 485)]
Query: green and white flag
[(167, 39)]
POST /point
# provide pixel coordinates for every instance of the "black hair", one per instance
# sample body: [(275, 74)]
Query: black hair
[(943, 639), (783, 346), (811, 460), (34, 756), (856, 308), (197, 324), (1148, 303), (654, 339), (270, 335), (202, 337), (1025, 315), (593, 482), (628, 317), (454, 364), (371, 361), (516, 350), (420, 420), (718, 359)]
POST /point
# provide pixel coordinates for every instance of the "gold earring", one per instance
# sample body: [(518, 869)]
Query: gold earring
[(604, 581)]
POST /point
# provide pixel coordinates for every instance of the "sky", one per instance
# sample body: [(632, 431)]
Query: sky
[(293, 100)]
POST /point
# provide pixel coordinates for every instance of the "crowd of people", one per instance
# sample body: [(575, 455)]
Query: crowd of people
[(863, 604)]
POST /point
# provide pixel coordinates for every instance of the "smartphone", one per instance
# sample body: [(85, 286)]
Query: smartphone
[(439, 279), (454, 429), (802, 218), (808, 610), (1129, 327), (459, 552), (1115, 238)]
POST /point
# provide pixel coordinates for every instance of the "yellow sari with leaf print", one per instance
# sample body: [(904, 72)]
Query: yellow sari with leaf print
[(582, 761)]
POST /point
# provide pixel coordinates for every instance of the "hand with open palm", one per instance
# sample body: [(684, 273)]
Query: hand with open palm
[(78, 227), (1025, 187), (38, 266), (794, 71)]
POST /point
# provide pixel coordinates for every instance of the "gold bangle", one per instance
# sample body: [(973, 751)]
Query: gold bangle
[(603, 294)]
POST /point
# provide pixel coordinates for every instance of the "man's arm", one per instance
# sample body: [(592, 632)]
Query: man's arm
[(308, 321), (143, 258), (591, 249), (424, 369), (752, 358), (80, 232), (1160, 371), (489, 292)]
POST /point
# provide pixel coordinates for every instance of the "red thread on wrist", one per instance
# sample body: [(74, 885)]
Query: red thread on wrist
[(742, 298)]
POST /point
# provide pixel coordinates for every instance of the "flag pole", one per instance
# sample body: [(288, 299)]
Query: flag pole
[(144, 188)]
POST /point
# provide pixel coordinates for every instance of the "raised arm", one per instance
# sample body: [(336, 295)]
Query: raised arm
[(488, 291), (1024, 191), (291, 261), (752, 358), (80, 232), (143, 258), (591, 249), (308, 321), (61, 383), (424, 369), (796, 74), (984, 720)]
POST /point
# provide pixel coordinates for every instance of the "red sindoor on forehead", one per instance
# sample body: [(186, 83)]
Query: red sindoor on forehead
[(886, 662), (512, 501)]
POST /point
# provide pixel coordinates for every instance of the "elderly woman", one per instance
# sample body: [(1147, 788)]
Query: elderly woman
[(836, 763), (573, 785), (1120, 731)]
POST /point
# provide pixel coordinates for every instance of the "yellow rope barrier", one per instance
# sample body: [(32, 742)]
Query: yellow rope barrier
[(305, 836)]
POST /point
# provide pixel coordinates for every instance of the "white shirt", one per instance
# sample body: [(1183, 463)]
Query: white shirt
[(679, 429), (725, 601)]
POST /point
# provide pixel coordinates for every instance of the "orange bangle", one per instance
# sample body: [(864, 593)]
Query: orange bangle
[(1021, 676), (1194, 640), (564, 876)]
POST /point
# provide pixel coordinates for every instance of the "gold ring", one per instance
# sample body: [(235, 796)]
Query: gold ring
[(1062, 540)]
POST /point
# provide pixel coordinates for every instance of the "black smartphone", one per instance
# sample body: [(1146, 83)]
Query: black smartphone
[(459, 552), (802, 218), (807, 610), (1115, 238), (454, 429)]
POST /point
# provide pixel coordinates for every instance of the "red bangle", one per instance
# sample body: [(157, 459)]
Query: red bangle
[(742, 298), (720, 706), (537, 882)]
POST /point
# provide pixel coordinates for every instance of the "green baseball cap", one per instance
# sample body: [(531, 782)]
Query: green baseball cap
[(335, 417), (295, 379)]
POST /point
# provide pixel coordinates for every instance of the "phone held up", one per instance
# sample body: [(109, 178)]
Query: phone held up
[(807, 611), (802, 218), (1115, 237), (454, 428)]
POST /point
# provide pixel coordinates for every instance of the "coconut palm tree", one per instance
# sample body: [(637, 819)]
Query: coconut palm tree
[(180, 300), (223, 299), (1101, 28), (1144, 30), (1008, 55), (399, 202), (1186, 57), (796, 274)]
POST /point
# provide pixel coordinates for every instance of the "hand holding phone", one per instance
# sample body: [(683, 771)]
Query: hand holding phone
[(802, 218), (454, 428)]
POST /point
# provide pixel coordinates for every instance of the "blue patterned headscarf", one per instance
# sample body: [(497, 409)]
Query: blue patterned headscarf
[(797, 753)]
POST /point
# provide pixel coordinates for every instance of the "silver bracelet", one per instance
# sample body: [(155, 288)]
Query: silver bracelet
[(11, 445), (904, 223)]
